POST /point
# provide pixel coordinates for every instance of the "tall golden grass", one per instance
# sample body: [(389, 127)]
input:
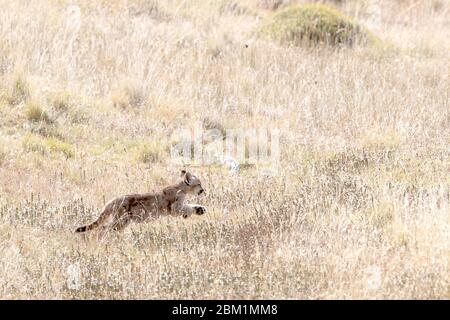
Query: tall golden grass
[(359, 207)]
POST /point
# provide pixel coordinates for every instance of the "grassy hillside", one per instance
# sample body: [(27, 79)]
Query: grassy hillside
[(91, 91)]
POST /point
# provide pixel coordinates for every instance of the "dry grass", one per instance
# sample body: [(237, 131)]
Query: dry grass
[(360, 207)]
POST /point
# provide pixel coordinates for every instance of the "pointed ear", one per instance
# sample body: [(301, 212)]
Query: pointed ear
[(183, 172), (187, 178)]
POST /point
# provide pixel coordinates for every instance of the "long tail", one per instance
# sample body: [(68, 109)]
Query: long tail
[(93, 225)]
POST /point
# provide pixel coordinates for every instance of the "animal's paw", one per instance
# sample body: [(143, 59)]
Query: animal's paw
[(200, 210)]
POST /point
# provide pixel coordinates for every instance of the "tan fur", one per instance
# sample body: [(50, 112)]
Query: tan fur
[(119, 212)]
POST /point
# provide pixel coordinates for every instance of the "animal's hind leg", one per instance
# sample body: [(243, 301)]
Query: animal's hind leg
[(122, 223), (114, 227)]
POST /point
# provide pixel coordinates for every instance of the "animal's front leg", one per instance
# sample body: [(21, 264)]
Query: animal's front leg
[(193, 208), (198, 209), (187, 209)]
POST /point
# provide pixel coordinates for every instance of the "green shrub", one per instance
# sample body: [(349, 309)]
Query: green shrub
[(315, 24), (44, 146), (61, 101), (20, 91), (56, 145), (152, 152), (130, 94), (34, 143), (35, 113)]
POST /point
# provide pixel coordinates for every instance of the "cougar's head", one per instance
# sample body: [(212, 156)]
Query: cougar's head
[(194, 186)]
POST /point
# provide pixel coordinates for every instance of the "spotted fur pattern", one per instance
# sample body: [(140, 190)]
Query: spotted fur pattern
[(120, 212)]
